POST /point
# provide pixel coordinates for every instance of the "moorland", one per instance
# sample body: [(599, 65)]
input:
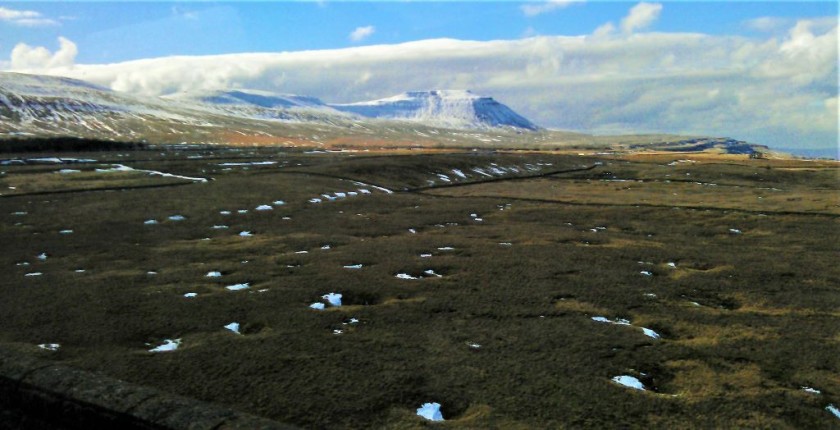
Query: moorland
[(515, 288)]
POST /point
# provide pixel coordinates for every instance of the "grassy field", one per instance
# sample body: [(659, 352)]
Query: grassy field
[(730, 261)]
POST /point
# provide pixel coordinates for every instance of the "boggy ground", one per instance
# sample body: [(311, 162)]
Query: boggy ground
[(739, 279)]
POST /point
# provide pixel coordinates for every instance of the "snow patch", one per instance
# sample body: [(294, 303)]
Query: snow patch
[(49, 346), (237, 287), (430, 411), (650, 333), (234, 327), (334, 299), (213, 274), (168, 345), (629, 381)]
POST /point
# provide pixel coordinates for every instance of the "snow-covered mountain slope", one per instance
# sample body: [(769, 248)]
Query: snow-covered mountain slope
[(33, 104), (442, 108), (260, 105)]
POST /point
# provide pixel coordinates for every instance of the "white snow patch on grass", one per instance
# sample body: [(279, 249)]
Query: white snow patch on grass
[(629, 381), (334, 299), (353, 266), (735, 231), (317, 306), (252, 163), (245, 234), (446, 248), (404, 276), (49, 346), (279, 203), (430, 411), (811, 390), (190, 295), (168, 345), (833, 409), (234, 327), (237, 287), (42, 256), (426, 255), (68, 171), (33, 274), (66, 232), (224, 212), (431, 272), (150, 222), (315, 200), (177, 218), (646, 273), (618, 321), (650, 333), (213, 274), (458, 172), (412, 231), (264, 208)]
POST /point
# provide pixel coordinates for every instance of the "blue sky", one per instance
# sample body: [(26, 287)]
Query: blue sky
[(765, 72), (119, 31)]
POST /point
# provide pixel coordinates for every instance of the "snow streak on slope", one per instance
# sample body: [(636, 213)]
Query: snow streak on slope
[(443, 108)]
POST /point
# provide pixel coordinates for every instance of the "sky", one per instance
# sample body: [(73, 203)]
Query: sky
[(765, 72)]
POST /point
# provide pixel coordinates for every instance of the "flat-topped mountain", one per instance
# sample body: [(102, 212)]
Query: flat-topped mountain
[(442, 108)]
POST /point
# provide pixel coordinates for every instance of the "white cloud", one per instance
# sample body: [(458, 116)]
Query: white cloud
[(774, 91), (640, 17), (40, 59), (362, 33), (767, 23), (25, 18), (535, 9), (604, 30)]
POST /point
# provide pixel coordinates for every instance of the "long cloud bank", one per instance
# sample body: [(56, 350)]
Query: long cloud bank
[(777, 91)]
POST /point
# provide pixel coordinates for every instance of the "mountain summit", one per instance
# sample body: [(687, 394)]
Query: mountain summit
[(442, 108)]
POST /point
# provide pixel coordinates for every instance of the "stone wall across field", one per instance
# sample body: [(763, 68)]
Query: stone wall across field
[(44, 394)]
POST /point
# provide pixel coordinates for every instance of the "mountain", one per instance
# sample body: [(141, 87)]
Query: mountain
[(442, 108), (260, 105), (33, 106)]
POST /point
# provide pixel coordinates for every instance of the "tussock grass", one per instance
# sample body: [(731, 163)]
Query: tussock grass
[(764, 326)]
